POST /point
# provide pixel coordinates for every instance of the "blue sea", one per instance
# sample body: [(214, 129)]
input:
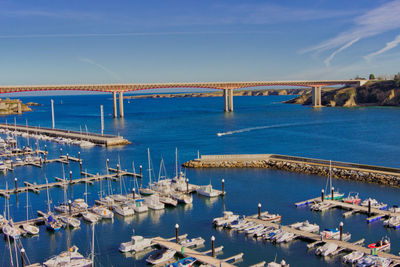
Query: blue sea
[(368, 135)]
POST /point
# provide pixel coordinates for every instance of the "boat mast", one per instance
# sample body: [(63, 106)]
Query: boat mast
[(330, 174), (148, 159), (27, 205), (176, 162), (92, 245), (48, 198), (86, 186)]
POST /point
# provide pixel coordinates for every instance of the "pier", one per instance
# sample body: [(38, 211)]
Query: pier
[(316, 238), (36, 188), (374, 214), (98, 139), (344, 170)]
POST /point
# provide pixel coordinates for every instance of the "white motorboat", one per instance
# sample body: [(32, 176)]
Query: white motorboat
[(208, 191), (103, 212), (334, 234), (153, 202), (235, 224), (371, 260), (275, 264), (226, 219), (182, 198), (306, 226), (321, 206), (70, 221), (353, 257), (161, 256), (138, 205), (85, 143), (90, 217), (253, 229), (136, 244), (80, 204), (326, 249), (394, 209), (119, 198), (193, 242), (381, 245), (123, 209), (69, 258), (245, 226), (393, 222), (264, 231), (266, 216), (168, 200), (284, 237), (374, 204)]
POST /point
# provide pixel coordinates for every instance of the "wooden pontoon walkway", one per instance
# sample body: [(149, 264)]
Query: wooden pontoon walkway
[(375, 214), (62, 183), (200, 256), (98, 139), (315, 237)]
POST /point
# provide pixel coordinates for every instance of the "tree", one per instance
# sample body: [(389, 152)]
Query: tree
[(372, 76), (397, 80)]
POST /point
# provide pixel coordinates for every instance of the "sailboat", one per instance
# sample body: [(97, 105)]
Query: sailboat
[(147, 191), (336, 194), (27, 227), (87, 215), (50, 220), (9, 230), (72, 257)]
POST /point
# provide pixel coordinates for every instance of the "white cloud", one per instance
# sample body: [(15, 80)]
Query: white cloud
[(389, 45), (374, 22)]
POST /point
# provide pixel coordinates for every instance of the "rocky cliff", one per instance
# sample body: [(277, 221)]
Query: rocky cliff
[(373, 93), (10, 106)]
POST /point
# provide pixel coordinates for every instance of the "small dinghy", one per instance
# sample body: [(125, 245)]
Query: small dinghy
[(381, 245), (193, 242), (353, 257), (186, 262), (371, 260), (227, 218), (161, 256), (374, 204), (326, 249)]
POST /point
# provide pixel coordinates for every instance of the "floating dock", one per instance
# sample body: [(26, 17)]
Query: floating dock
[(316, 238), (98, 139), (374, 214)]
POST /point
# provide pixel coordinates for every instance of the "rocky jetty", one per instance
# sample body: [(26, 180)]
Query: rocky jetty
[(218, 93), (13, 106), (373, 93), (371, 177)]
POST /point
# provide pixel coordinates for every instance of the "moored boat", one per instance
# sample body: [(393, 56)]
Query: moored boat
[(353, 257), (162, 256), (227, 218), (381, 245), (136, 244), (326, 249)]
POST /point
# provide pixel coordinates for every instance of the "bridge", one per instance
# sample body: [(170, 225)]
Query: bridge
[(227, 88)]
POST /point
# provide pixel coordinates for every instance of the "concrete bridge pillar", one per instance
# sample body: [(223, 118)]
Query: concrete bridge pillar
[(114, 104), (316, 96), (230, 100), (226, 100), (121, 104), (19, 108)]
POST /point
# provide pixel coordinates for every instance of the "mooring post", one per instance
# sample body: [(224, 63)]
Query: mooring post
[(213, 246), (341, 231), (133, 193), (176, 233), (16, 184), (332, 191), (187, 186), (322, 195), (79, 155), (22, 257), (45, 153), (108, 164), (369, 207), (223, 186), (70, 207), (80, 167), (118, 169), (60, 152), (67, 159), (70, 176), (259, 210), (12, 166), (141, 169)]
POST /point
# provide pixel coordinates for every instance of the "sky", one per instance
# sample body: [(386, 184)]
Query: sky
[(82, 41)]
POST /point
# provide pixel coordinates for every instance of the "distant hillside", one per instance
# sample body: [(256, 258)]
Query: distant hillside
[(218, 93), (373, 93)]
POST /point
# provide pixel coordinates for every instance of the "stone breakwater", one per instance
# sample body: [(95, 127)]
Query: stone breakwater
[(340, 173)]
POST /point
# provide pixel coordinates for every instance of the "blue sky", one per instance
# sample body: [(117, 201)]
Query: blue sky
[(55, 42)]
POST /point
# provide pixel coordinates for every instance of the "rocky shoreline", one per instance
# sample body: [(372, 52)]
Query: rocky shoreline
[(354, 175), (14, 106)]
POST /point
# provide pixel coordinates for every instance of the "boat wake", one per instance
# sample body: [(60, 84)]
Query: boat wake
[(284, 125)]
